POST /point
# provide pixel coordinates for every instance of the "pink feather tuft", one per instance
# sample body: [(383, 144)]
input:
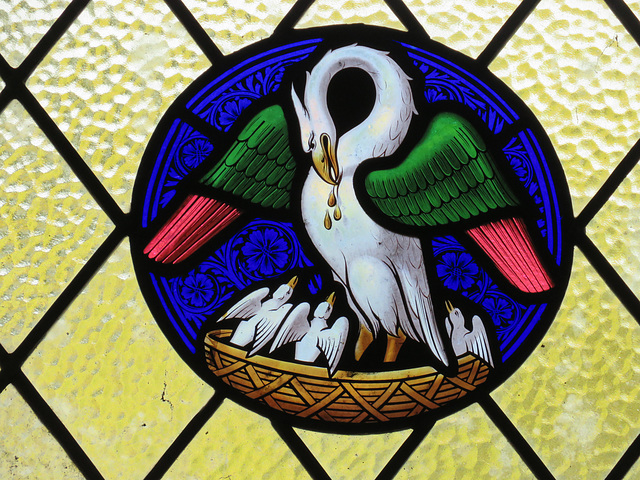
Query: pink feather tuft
[(196, 221), (508, 244)]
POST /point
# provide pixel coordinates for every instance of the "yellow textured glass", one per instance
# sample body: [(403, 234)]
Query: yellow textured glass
[(106, 370), (110, 78), (49, 226)]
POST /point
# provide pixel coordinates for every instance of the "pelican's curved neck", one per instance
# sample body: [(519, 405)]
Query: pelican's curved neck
[(387, 124)]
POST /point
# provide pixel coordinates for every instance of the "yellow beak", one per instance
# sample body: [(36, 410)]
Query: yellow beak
[(331, 299), (449, 306), (325, 161), (293, 282)]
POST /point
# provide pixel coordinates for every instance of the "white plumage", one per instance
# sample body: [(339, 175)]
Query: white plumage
[(463, 340), (383, 272), (315, 337), (261, 318)]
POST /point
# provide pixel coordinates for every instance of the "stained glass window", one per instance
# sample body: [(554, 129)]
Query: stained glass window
[(89, 385)]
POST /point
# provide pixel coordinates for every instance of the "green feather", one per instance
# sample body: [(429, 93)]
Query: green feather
[(477, 172), (469, 142), (433, 197), (421, 182), (231, 182), (264, 172), (486, 196), (275, 176), (241, 188), (258, 166), (280, 145), (426, 173), (485, 163), (267, 143), (271, 198), (401, 187), (261, 135), (450, 213), (467, 176), (410, 182), (282, 201), (286, 179), (443, 163), (446, 177), (452, 189), (285, 158), (428, 220), (390, 188), (391, 208), (460, 208), (402, 205), (443, 193), (437, 172), (378, 188), (249, 157), (414, 208), (461, 185), (261, 195), (235, 153), (251, 127)]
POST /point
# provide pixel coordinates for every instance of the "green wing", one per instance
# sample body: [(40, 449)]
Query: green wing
[(259, 165), (449, 176)]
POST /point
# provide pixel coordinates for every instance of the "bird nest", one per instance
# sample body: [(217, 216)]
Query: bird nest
[(346, 397)]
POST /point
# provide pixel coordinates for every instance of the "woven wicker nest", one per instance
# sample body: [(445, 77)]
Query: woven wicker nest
[(347, 397)]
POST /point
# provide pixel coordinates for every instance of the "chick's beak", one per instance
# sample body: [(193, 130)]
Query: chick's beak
[(331, 299), (449, 306), (325, 162)]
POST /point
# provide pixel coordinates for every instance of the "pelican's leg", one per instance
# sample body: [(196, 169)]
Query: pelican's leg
[(394, 343), (365, 337)]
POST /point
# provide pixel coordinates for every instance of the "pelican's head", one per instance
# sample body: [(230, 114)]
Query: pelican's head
[(379, 135), (455, 318), (318, 137), (284, 292), (325, 308)]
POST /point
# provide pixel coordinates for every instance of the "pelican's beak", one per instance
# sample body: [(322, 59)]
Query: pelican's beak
[(325, 162), (331, 299), (449, 306), (293, 282)]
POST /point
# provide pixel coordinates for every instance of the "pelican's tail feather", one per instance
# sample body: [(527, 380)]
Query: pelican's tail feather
[(508, 243), (196, 221)]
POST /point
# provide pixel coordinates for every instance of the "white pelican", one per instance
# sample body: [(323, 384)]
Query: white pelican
[(464, 340), (382, 271), (261, 318), (315, 337), (449, 179)]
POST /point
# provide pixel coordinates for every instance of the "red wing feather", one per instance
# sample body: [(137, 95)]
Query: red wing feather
[(196, 221), (508, 244)]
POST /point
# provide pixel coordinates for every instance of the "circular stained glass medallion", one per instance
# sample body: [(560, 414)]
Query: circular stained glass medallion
[(350, 228)]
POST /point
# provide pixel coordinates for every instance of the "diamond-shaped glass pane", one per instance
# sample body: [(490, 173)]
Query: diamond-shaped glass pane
[(27, 449), (109, 80), (575, 399), (323, 12), (49, 225), (464, 25), (467, 446), (353, 456), (236, 443), (233, 25), (616, 230), (111, 376), (576, 67), (23, 23)]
